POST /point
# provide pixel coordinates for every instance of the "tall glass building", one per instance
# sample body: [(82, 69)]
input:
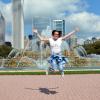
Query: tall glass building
[(59, 25), (18, 24), (2, 28), (41, 23)]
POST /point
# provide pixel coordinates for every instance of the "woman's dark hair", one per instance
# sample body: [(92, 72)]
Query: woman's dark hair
[(60, 32)]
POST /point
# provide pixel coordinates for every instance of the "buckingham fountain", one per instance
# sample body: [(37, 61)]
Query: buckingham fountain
[(36, 59)]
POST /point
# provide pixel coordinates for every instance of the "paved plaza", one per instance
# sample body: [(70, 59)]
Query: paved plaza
[(50, 87)]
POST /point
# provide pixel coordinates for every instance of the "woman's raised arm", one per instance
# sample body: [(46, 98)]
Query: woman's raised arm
[(70, 34), (39, 36)]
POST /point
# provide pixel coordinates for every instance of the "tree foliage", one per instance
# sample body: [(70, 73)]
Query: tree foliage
[(5, 50), (93, 48)]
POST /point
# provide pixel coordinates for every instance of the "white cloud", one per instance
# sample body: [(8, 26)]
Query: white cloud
[(88, 23), (44, 7), (51, 7)]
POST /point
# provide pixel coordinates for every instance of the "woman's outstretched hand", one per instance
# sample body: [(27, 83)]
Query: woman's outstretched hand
[(77, 29)]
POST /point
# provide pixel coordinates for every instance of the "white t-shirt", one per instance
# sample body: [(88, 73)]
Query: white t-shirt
[(55, 45)]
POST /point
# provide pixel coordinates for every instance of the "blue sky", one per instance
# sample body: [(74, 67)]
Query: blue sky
[(82, 13), (6, 1), (94, 5)]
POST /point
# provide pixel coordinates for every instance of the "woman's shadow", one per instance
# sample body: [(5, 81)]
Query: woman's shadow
[(47, 91)]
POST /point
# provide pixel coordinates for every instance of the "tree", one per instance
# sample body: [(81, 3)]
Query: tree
[(93, 48), (5, 50)]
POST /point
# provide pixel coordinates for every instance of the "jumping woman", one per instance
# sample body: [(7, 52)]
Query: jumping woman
[(56, 60)]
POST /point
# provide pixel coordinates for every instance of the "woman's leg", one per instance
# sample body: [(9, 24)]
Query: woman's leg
[(53, 65), (61, 68)]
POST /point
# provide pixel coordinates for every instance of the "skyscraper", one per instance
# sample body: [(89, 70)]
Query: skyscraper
[(41, 23), (2, 28), (18, 24), (59, 25)]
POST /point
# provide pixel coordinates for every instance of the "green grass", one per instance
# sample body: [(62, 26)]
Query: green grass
[(22, 73), (43, 72)]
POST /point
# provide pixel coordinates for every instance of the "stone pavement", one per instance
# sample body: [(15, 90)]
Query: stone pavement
[(50, 87)]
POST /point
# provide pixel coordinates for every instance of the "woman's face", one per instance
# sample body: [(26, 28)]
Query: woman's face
[(56, 35)]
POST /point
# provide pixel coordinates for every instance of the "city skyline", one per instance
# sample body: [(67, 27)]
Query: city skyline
[(82, 13)]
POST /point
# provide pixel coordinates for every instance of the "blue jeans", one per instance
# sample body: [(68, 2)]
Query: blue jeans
[(57, 61)]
